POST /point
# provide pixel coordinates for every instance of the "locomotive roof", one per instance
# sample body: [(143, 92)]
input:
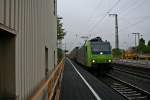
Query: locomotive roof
[(96, 39)]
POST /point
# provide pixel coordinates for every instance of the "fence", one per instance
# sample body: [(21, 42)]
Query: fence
[(52, 84)]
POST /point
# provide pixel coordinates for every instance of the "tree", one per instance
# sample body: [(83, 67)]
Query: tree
[(117, 53), (147, 49), (60, 31), (141, 47), (60, 54), (60, 35), (148, 43), (142, 42)]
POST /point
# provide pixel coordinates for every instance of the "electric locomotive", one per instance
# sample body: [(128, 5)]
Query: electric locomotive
[(94, 54)]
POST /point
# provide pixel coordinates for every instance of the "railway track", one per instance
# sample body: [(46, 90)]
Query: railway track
[(127, 90), (138, 74), (137, 69)]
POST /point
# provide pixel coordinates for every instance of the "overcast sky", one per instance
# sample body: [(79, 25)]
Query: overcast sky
[(90, 18)]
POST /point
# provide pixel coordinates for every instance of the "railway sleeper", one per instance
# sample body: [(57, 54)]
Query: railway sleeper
[(128, 92), (116, 84), (121, 88), (133, 94), (139, 98)]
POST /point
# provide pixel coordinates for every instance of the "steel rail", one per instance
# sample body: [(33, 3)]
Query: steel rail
[(140, 93), (141, 70), (142, 75)]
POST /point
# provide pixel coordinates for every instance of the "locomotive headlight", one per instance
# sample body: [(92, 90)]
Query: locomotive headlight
[(109, 60), (101, 53), (93, 61)]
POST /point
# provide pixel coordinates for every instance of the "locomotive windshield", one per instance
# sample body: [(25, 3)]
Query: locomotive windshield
[(101, 47)]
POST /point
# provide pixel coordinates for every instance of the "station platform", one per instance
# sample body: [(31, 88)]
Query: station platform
[(78, 84)]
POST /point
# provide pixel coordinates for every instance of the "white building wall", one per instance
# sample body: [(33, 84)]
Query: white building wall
[(34, 25)]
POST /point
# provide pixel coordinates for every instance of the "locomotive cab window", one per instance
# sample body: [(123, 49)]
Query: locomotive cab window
[(101, 48)]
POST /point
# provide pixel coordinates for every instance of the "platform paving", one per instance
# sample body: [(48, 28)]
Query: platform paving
[(74, 88)]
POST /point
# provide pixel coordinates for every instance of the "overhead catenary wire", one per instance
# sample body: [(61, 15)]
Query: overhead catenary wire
[(99, 3), (92, 13), (127, 5), (101, 20), (126, 19), (134, 24), (135, 5), (105, 15), (138, 17)]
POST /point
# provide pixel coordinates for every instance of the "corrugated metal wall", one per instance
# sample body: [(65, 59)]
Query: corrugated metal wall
[(34, 24), (8, 13)]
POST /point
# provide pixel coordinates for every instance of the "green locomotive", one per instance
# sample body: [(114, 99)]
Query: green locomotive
[(95, 53)]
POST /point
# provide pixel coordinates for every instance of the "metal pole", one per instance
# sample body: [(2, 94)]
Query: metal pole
[(138, 38), (135, 40), (138, 34), (116, 31)]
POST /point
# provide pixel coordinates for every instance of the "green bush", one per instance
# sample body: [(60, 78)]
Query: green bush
[(60, 54), (117, 53)]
